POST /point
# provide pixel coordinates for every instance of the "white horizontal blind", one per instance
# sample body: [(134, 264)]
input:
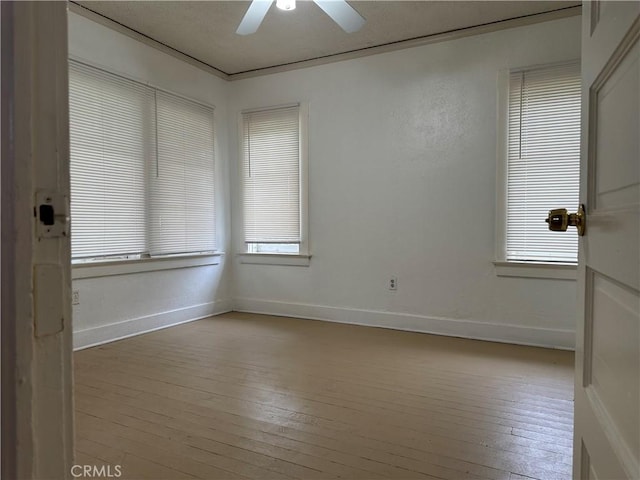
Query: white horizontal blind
[(112, 135), (543, 161), (271, 175), (182, 180)]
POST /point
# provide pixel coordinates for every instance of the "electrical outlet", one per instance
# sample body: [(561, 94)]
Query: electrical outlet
[(393, 282), (75, 297)]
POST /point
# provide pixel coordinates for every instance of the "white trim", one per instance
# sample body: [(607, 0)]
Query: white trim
[(557, 271), (124, 267), (416, 42), (118, 27), (465, 328), (502, 145), (274, 259), (37, 379), (267, 109), (74, 58), (90, 337), (305, 248), (364, 52), (502, 161)]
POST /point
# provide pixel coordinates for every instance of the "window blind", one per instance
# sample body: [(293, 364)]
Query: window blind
[(142, 169), (271, 175), (543, 161), (182, 194), (111, 141)]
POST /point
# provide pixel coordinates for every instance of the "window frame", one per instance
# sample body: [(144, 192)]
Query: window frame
[(503, 266), (105, 268), (90, 267), (303, 257)]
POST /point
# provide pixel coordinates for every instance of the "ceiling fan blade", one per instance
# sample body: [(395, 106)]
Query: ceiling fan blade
[(254, 16), (343, 14)]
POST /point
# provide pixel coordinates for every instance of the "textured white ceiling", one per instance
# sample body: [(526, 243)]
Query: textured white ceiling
[(206, 30)]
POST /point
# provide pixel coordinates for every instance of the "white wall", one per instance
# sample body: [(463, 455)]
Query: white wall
[(116, 306), (403, 182)]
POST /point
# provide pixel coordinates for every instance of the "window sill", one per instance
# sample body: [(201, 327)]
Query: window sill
[(557, 271), (105, 268), (275, 259)]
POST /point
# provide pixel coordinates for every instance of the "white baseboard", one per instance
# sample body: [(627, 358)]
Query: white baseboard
[(91, 337), (504, 333), (540, 337)]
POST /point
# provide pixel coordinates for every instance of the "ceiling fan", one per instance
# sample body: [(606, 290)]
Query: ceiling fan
[(339, 10)]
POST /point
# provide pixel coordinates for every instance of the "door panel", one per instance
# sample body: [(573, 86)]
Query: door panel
[(610, 233), (617, 134), (607, 397), (614, 356)]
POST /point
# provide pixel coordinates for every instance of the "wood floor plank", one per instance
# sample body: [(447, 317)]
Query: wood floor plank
[(386, 400), (459, 387), (137, 468), (167, 455), (406, 430), (498, 421), (428, 409), (406, 457), (406, 375), (158, 434), (428, 461), (250, 396), (207, 435), (241, 374)]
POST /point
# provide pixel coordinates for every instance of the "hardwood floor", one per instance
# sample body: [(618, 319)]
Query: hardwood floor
[(251, 396)]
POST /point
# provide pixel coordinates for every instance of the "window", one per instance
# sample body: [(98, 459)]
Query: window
[(543, 161), (272, 176), (182, 210), (142, 169)]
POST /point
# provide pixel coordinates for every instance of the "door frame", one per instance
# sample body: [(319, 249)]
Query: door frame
[(37, 409)]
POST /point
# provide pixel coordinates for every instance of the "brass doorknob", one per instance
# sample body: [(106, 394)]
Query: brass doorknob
[(559, 220)]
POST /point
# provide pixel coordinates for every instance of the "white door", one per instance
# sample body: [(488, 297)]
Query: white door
[(607, 399), (37, 426)]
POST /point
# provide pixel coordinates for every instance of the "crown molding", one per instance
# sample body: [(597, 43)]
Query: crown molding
[(142, 38), (415, 42), (338, 57)]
